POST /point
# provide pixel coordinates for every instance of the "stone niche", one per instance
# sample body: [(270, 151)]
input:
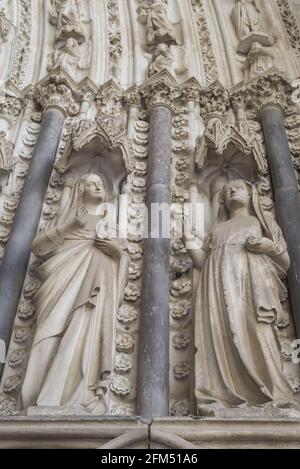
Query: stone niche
[(93, 161)]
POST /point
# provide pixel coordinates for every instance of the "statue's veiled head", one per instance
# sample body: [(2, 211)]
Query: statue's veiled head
[(93, 189), (236, 194)]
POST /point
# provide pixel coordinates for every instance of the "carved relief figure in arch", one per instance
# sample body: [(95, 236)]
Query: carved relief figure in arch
[(247, 17), (72, 57), (66, 15), (154, 14), (83, 275), (238, 306)]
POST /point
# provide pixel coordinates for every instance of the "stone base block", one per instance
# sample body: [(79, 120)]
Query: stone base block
[(134, 433)]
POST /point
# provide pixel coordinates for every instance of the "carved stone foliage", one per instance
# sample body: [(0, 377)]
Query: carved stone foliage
[(267, 89), (114, 38), (209, 60), (293, 130), (123, 387), (22, 47), (214, 100), (181, 270), (290, 24), (161, 89), (17, 164), (56, 92)]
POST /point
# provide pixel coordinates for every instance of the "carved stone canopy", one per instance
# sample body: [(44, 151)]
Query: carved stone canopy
[(109, 136), (226, 147), (95, 157), (102, 138)]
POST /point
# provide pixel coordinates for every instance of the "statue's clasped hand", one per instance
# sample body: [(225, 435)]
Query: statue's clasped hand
[(81, 216), (259, 245), (108, 246)]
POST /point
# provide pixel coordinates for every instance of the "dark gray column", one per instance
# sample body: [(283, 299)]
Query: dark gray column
[(286, 195), (16, 257), (153, 367)]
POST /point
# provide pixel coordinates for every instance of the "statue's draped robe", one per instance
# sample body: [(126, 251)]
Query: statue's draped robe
[(158, 24), (238, 359), (76, 306), (246, 18), (69, 22)]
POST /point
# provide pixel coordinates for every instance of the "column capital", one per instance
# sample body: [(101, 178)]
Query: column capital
[(264, 91), (214, 101), (161, 90), (55, 92), (191, 90)]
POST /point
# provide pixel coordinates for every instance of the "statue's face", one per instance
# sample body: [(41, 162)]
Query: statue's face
[(236, 194), (94, 189)]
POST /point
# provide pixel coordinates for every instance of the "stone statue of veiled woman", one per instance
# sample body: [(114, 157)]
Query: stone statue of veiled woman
[(238, 306), (83, 276), (247, 17)]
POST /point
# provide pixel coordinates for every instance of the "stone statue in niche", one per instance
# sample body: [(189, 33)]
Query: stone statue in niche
[(154, 14), (247, 17), (171, 58), (72, 57), (238, 306), (254, 44), (65, 14), (83, 276)]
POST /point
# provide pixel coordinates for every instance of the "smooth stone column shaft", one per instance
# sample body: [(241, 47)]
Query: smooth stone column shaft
[(286, 196), (153, 366), (17, 253)]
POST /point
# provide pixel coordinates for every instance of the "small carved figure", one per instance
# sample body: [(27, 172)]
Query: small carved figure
[(66, 15), (171, 58), (155, 17), (71, 57)]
